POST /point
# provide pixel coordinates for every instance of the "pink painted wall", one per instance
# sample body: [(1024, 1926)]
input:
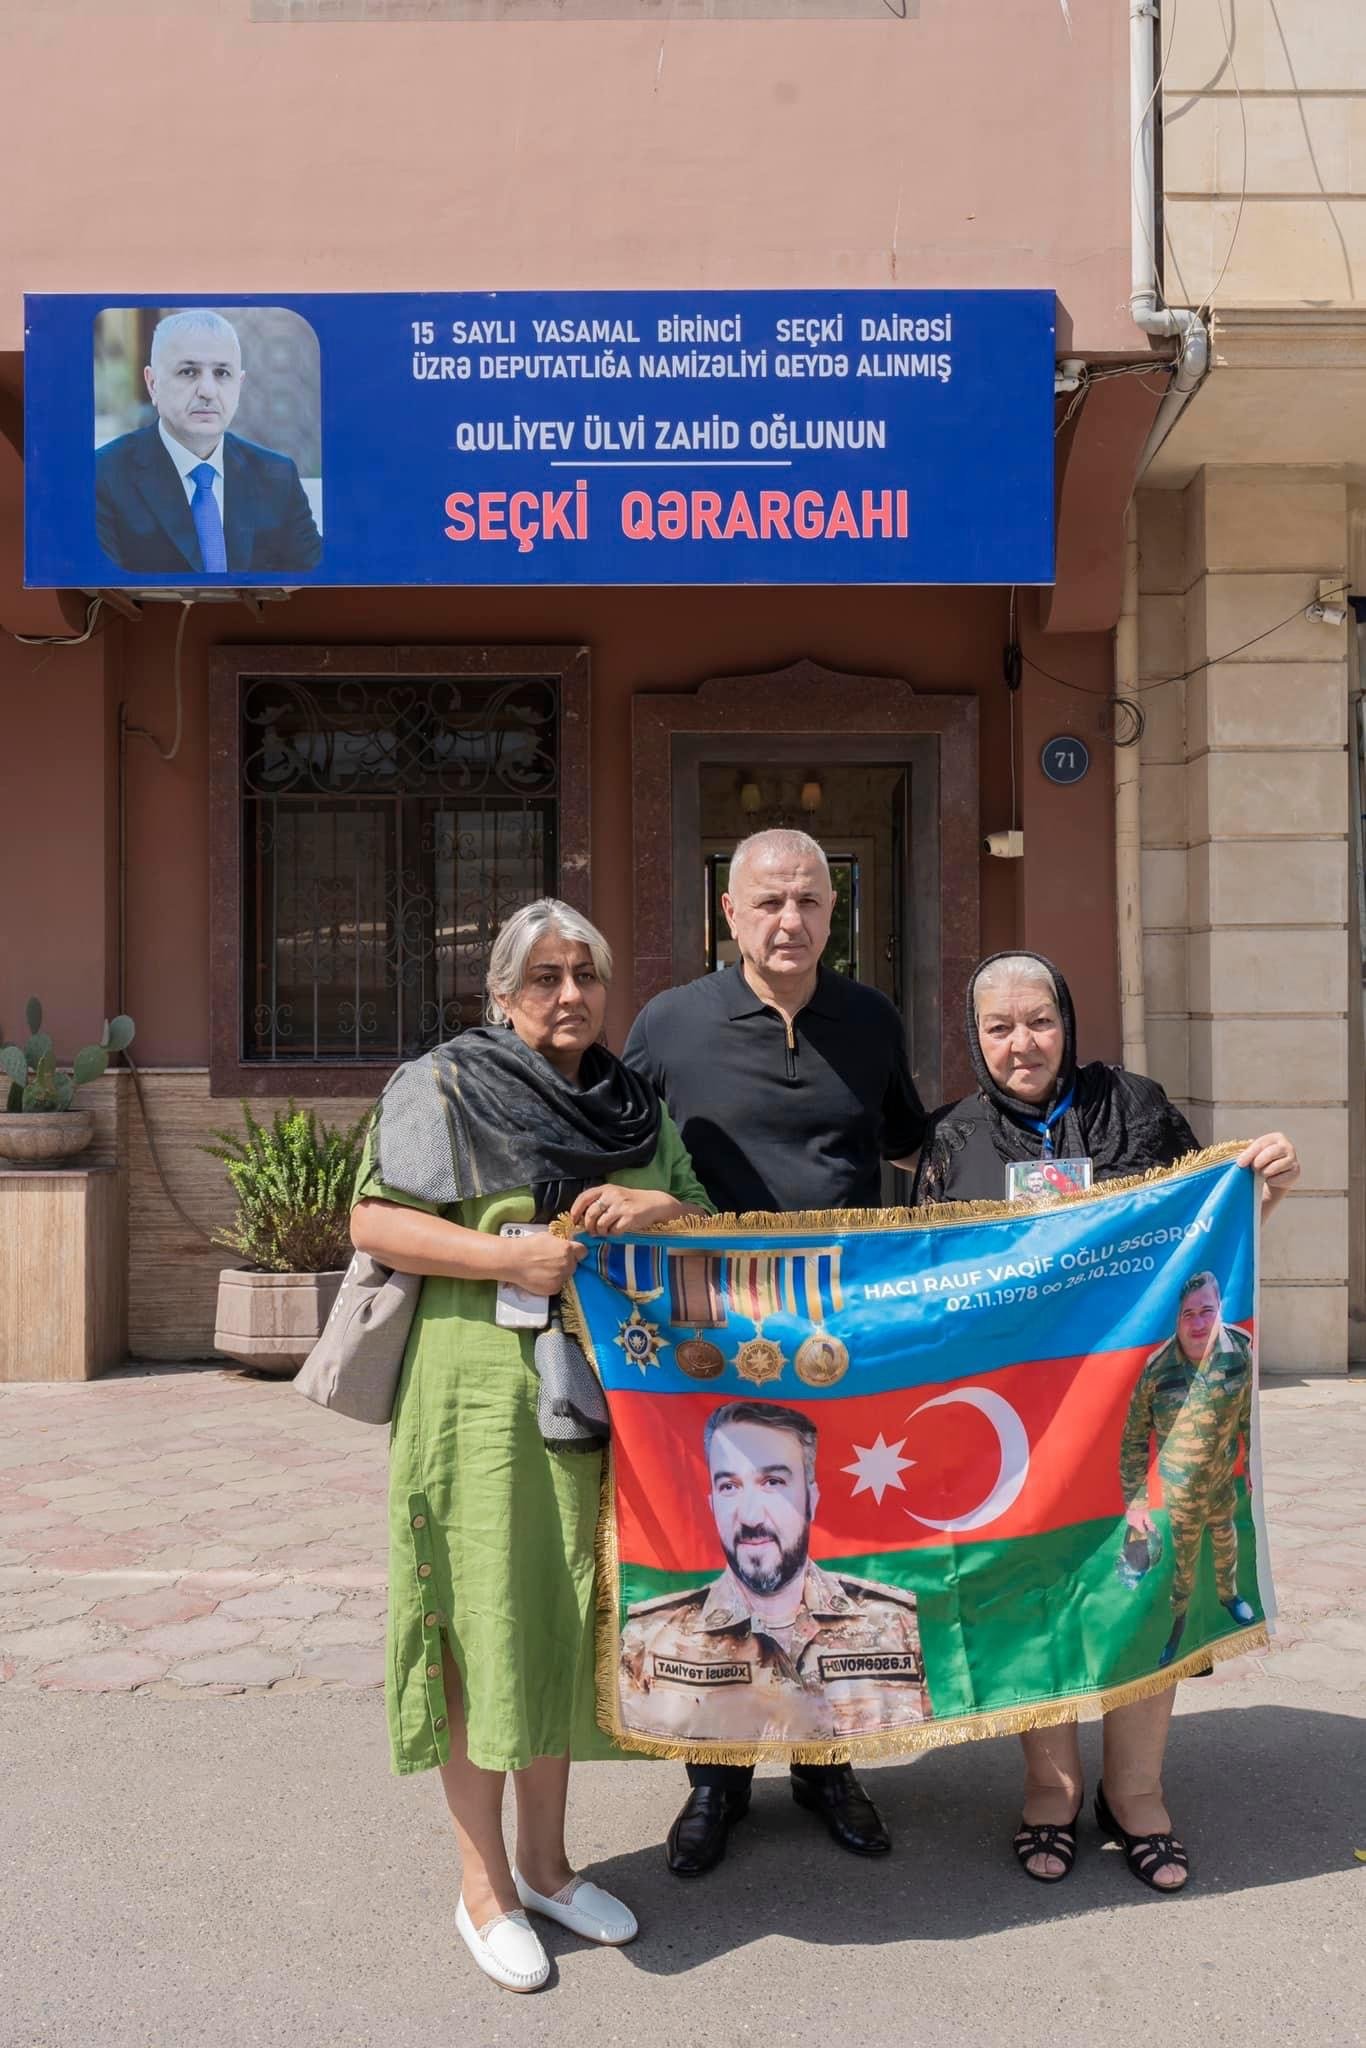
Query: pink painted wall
[(1061, 900), (175, 146), (58, 870)]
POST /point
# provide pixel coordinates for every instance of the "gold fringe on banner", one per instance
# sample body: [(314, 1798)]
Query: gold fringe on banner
[(926, 1735), (934, 1216)]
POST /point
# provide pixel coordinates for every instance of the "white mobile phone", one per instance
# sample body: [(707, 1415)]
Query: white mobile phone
[(516, 1309)]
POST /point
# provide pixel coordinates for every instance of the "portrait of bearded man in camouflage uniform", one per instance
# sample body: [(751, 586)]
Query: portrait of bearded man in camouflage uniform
[(1194, 1396), (776, 1649)]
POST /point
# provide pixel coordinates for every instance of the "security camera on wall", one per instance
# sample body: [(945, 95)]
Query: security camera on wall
[(1004, 845)]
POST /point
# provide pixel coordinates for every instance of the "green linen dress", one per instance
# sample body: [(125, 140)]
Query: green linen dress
[(491, 1535)]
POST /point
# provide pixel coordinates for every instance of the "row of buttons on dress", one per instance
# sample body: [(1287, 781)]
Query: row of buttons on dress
[(431, 1620)]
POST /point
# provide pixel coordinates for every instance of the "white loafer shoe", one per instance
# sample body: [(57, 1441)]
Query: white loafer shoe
[(507, 1949), (588, 1911)]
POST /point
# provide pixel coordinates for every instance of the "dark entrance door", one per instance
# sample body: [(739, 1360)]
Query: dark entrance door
[(884, 777), (858, 797)]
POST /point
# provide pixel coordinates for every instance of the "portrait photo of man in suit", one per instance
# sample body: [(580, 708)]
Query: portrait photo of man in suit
[(186, 496)]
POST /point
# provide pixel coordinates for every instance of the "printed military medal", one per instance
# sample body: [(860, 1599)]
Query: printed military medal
[(752, 1285), (637, 1271), (695, 1298), (812, 1290)]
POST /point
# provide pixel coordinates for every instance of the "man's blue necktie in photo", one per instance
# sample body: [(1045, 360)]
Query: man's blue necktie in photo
[(208, 521)]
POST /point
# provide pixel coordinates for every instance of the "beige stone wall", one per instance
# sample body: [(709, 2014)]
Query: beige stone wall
[(1295, 82), (172, 1267), (1246, 856)]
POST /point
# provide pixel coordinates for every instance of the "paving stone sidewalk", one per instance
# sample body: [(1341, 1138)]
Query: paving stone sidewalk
[(171, 1529), (174, 1528)]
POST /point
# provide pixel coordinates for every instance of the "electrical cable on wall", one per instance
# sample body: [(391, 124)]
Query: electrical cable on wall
[(1208, 299), (92, 613), (160, 1170), (1186, 675), (1203, 305), (1012, 681), (1091, 376), (1141, 129), (140, 731)]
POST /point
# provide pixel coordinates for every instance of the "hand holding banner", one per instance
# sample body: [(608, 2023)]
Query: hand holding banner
[(932, 1475)]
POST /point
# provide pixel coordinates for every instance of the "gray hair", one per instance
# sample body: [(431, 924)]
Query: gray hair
[(769, 1415), (191, 320), (779, 840), (517, 939), (1013, 970)]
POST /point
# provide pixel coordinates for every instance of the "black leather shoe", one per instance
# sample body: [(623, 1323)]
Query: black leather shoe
[(697, 1839), (849, 1814)]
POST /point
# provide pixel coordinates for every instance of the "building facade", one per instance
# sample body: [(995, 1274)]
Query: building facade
[(1250, 515), (280, 832)]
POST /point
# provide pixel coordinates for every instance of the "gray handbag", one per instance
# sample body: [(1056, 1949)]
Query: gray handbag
[(571, 1409), (354, 1366)]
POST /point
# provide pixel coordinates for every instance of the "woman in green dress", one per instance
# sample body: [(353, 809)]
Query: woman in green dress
[(490, 1662)]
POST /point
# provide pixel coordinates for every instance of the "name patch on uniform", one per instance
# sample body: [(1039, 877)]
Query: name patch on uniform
[(678, 1673), (873, 1664)]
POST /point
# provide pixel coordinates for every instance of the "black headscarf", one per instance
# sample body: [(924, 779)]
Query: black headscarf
[(484, 1114), (1123, 1123)]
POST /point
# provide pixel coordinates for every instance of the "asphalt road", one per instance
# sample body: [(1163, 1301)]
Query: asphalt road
[(241, 1872)]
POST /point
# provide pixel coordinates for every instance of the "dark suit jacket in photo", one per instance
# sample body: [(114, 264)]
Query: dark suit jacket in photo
[(143, 520)]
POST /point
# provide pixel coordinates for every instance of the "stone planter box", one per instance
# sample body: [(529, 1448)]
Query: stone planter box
[(271, 1321), (36, 1140), (63, 1270)]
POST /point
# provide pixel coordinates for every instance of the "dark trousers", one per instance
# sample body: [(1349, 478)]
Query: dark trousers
[(737, 1778)]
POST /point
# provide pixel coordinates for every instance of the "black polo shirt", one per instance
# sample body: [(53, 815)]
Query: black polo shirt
[(776, 1119)]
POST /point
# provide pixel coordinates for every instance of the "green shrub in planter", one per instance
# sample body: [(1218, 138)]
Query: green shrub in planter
[(293, 1181)]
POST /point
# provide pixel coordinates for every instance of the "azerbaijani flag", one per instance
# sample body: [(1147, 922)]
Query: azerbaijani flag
[(950, 1473)]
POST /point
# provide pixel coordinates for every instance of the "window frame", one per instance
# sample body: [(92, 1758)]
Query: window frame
[(229, 669)]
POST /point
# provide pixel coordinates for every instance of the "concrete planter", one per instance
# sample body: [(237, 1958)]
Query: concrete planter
[(271, 1321), (36, 1139)]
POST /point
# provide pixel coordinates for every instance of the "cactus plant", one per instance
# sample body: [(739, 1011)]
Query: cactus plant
[(36, 1084)]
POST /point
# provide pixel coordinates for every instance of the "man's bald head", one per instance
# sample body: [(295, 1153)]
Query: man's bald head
[(194, 377)]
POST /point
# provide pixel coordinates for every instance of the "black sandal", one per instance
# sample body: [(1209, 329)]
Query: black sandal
[(1144, 1854), (1047, 1838)]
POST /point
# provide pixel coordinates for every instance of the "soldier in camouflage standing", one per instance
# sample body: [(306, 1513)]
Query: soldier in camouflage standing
[(1195, 1396)]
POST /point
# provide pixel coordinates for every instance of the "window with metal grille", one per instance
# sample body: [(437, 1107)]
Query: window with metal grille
[(389, 826)]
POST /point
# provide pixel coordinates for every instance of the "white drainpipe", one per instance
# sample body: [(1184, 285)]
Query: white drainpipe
[(1176, 323), (1128, 837)]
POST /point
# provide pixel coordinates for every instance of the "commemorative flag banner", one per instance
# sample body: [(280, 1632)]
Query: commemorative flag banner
[(885, 1480)]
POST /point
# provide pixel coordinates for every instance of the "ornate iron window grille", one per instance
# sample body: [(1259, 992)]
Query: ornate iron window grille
[(388, 829)]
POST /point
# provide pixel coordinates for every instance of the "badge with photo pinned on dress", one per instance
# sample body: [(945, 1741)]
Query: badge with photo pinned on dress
[(1044, 1180), (637, 1271), (695, 1299)]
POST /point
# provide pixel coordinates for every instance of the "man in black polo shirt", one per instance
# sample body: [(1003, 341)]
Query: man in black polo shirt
[(790, 1086)]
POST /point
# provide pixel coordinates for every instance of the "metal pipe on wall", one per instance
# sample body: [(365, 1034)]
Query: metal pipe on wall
[(1128, 840), (1186, 325), (1179, 323)]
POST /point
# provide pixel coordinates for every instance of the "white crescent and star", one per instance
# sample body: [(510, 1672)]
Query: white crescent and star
[(878, 1467)]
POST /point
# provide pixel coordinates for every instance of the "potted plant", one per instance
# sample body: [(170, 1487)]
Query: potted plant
[(40, 1120), (293, 1182)]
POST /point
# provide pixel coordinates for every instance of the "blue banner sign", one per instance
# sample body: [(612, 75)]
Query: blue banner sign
[(852, 437)]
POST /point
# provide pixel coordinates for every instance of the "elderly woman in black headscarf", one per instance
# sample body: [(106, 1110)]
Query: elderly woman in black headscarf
[(1034, 1103)]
